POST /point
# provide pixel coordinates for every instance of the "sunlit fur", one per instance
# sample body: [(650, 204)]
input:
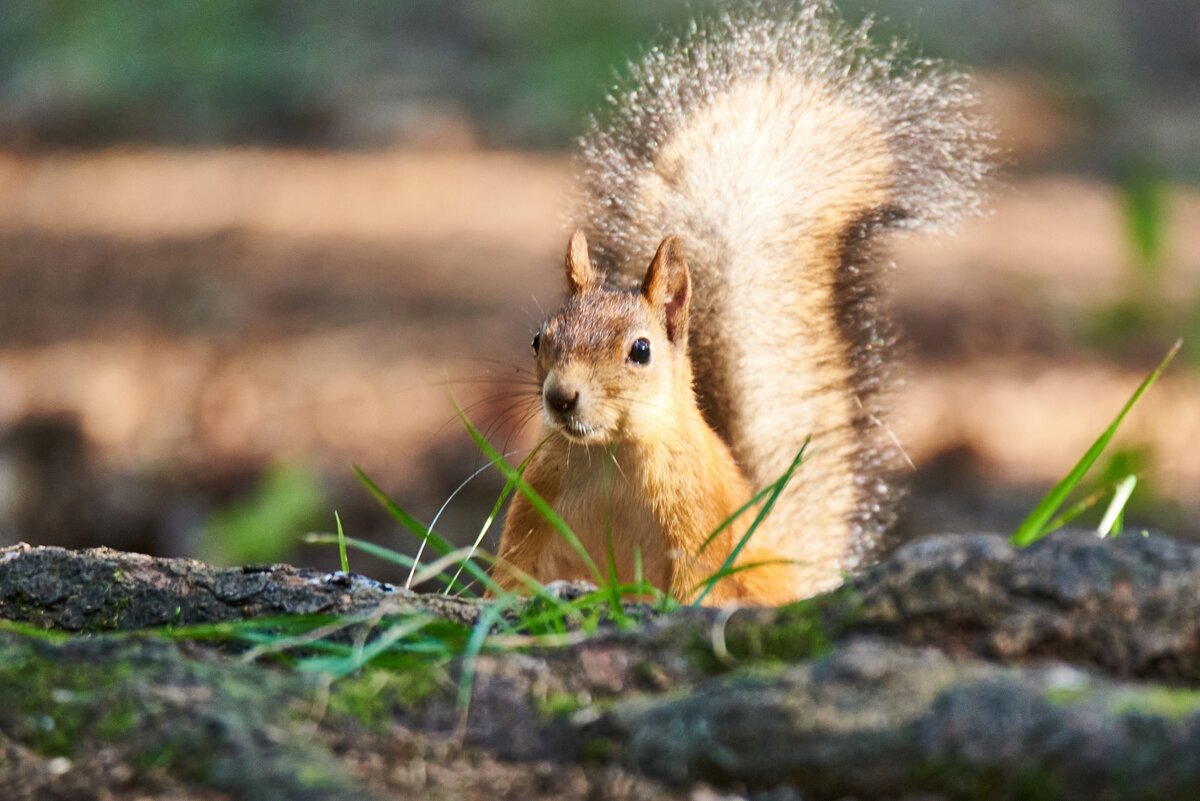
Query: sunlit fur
[(633, 468), (778, 144)]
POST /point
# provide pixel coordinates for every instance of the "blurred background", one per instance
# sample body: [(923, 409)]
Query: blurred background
[(245, 245)]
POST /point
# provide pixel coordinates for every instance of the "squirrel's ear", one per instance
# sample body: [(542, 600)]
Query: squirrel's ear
[(668, 286), (580, 272)]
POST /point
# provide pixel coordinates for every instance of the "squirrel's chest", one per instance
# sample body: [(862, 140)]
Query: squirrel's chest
[(605, 505)]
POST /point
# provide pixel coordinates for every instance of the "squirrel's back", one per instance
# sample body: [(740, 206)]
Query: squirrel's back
[(777, 147)]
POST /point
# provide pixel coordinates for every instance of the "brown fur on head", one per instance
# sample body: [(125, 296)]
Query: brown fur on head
[(611, 361)]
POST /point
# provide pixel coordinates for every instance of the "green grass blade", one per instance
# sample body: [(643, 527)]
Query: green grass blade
[(1082, 505), (313, 639), (612, 587), (341, 540), (776, 489), (420, 530), (487, 524), (726, 572), (560, 612), (344, 666), (1034, 527), (29, 630), (639, 575), (511, 473), (750, 504), (378, 551), (479, 634), (747, 506), (234, 628)]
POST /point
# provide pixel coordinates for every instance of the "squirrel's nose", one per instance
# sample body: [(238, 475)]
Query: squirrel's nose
[(562, 399)]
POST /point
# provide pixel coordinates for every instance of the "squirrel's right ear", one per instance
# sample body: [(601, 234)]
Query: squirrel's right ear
[(581, 274), (668, 286)]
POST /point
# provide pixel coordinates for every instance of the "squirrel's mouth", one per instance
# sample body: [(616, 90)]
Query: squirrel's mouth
[(579, 432)]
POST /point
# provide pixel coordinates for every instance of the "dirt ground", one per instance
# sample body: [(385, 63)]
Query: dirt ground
[(204, 314)]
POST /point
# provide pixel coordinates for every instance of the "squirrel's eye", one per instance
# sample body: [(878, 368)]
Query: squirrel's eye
[(639, 353), (537, 341)]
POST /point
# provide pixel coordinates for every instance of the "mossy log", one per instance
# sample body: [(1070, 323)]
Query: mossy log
[(957, 668)]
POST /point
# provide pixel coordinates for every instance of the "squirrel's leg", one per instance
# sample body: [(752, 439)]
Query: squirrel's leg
[(523, 544)]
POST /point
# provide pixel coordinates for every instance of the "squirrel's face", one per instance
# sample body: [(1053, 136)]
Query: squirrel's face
[(611, 361), (604, 365)]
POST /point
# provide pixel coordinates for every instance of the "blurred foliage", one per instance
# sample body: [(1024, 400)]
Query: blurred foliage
[(172, 69), (374, 72), (1146, 317), (1123, 326), (306, 71), (1144, 195), (267, 525)]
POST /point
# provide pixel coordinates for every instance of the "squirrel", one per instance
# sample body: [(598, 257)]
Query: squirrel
[(760, 158)]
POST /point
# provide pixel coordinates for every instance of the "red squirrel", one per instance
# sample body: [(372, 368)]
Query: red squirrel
[(775, 153)]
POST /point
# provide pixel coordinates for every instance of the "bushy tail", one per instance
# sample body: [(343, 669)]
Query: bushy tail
[(778, 146)]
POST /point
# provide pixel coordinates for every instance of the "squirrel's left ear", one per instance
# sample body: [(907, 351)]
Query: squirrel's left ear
[(581, 274), (668, 286)]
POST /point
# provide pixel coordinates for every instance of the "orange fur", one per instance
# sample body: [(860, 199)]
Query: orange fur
[(781, 145), (648, 475)]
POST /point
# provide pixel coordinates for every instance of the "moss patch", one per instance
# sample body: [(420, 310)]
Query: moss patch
[(167, 708), (1173, 703), (802, 630), (560, 704), (373, 698), (958, 780), (1067, 695), (51, 706)]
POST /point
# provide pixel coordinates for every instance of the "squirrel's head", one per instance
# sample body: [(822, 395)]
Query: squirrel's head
[(610, 361)]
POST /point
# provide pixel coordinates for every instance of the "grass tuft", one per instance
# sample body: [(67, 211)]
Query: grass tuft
[(1040, 521)]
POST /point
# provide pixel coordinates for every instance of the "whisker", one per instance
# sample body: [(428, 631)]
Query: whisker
[(502, 418), (499, 362), (433, 523), (493, 379), (613, 455), (516, 429), (485, 401)]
